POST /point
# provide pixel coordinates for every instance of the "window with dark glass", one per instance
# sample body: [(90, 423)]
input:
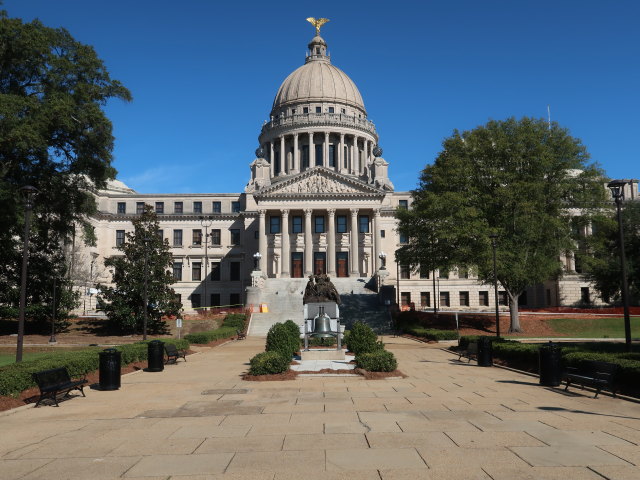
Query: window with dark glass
[(177, 207), (319, 151), (235, 207), (216, 207), (444, 299), (177, 271), (159, 207), (197, 237), (161, 235), (363, 224), (425, 299), (235, 236), (464, 299), (215, 271), (215, 299), (122, 208), (405, 272), (215, 236), (405, 298), (502, 298), (119, 238), (318, 109), (296, 224), (424, 272), (177, 238), (585, 296), (319, 224), (404, 238), (234, 299), (382, 234), (197, 207), (404, 204), (274, 224), (341, 223), (196, 271), (305, 109), (332, 155), (331, 110), (234, 271), (139, 207), (195, 300), (483, 298)]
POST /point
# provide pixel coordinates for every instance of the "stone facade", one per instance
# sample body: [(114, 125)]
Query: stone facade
[(319, 200)]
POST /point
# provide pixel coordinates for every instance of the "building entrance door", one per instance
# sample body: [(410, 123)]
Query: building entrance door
[(342, 264), (296, 265), (319, 263)]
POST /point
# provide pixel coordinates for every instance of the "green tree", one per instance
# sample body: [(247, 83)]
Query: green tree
[(600, 255), (55, 136), (145, 263), (518, 179)]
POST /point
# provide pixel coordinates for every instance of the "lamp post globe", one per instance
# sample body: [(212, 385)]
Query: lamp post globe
[(256, 261), (206, 222)]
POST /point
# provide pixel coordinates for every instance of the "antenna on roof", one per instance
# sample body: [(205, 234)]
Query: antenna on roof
[(549, 116)]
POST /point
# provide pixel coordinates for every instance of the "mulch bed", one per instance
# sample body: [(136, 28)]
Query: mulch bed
[(291, 375)]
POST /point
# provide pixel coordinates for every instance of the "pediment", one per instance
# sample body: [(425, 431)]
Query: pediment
[(319, 182)]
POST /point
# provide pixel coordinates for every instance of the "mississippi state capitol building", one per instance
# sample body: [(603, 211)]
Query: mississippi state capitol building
[(318, 200)]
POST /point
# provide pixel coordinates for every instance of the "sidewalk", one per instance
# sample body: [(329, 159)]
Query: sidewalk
[(447, 420)]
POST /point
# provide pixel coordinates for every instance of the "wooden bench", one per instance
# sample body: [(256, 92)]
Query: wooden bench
[(594, 374), (471, 352), (241, 335), (173, 354), (55, 381)]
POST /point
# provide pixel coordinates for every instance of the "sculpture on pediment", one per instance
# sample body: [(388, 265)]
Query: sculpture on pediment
[(316, 184)]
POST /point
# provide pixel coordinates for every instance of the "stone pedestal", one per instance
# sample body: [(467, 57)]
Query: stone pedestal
[(323, 354)]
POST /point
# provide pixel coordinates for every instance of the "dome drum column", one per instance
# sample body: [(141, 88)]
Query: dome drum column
[(312, 151), (296, 155), (341, 160), (283, 157)]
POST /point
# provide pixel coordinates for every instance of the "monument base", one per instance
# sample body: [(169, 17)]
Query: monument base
[(323, 354)]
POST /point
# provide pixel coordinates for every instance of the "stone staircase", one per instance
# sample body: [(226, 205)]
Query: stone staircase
[(283, 297)]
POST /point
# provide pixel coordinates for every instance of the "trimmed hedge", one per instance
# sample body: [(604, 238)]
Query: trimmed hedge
[(17, 377), (267, 363), (378, 361), (432, 333), (362, 339), (235, 320), (628, 368), (281, 338), (211, 335)]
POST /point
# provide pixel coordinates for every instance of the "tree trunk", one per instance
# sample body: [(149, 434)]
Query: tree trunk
[(513, 313)]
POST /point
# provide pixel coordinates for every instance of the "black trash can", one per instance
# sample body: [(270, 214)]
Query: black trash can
[(109, 371), (485, 352), (550, 364), (155, 356)]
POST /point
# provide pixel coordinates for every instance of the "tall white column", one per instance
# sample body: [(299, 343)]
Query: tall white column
[(262, 240), (341, 167), (355, 257), (377, 239), (312, 151), (296, 154), (308, 242), (331, 243), (272, 159), (283, 157), (286, 257), (352, 163), (325, 155)]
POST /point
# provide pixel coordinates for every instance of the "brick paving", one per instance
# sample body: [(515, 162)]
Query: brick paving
[(447, 420)]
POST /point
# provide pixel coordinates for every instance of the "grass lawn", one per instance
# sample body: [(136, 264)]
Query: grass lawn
[(595, 327)]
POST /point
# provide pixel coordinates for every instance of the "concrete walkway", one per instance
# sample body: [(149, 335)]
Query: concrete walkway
[(447, 420)]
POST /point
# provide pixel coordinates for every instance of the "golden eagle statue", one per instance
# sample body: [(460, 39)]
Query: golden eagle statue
[(317, 23)]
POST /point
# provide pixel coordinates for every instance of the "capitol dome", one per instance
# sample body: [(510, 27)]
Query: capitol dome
[(318, 81)]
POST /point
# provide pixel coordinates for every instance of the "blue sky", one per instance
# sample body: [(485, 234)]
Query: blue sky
[(203, 75)]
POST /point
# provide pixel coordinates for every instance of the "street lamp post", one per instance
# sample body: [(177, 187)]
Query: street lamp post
[(256, 261), (493, 238), (145, 300), (28, 192), (52, 339), (617, 191), (206, 222)]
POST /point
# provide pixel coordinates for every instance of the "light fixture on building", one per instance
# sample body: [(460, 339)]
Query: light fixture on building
[(256, 261)]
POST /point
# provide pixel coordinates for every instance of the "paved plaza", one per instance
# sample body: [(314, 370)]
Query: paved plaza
[(446, 420)]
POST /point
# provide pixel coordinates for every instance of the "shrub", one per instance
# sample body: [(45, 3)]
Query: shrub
[(267, 363), (628, 368), (293, 328), (362, 339), (235, 320), (321, 342), (211, 335), (280, 339), (378, 361), (432, 333)]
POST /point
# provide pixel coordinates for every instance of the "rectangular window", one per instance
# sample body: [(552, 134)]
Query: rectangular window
[(483, 298), (196, 271), (195, 300), (463, 272), (464, 299), (177, 207), (216, 207), (444, 299), (161, 235), (177, 271), (235, 207), (197, 207), (318, 109), (234, 299), (502, 298), (177, 238), (122, 208), (197, 237), (215, 236), (382, 234), (424, 272), (139, 207), (405, 298), (319, 224), (119, 238), (331, 110), (296, 224), (215, 271), (584, 295), (341, 224), (403, 204), (305, 109), (160, 207), (215, 299), (425, 299), (274, 224), (235, 236), (405, 272), (404, 238), (363, 224), (234, 271)]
